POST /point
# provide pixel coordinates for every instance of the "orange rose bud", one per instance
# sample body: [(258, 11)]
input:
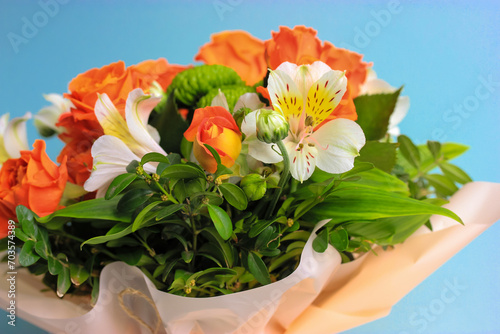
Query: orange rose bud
[(216, 127), (32, 180)]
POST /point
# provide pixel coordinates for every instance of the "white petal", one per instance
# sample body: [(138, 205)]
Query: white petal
[(15, 137), (111, 157), (137, 111), (110, 118), (220, 101), (285, 95), (46, 119), (153, 132), (376, 86), (303, 161), (324, 95), (4, 120), (257, 149), (59, 102), (250, 101), (340, 140), (400, 111)]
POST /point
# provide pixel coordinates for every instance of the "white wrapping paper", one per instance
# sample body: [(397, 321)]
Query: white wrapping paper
[(291, 305)]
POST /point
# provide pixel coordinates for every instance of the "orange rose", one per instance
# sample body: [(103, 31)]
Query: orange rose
[(301, 46), (32, 180), (298, 45), (81, 125), (216, 127), (238, 50)]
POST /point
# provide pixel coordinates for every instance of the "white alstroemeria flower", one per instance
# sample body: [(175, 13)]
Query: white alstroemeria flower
[(13, 137), (372, 86), (47, 117), (306, 95), (124, 140), (247, 100)]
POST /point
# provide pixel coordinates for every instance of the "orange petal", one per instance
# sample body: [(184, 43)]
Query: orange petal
[(238, 50)]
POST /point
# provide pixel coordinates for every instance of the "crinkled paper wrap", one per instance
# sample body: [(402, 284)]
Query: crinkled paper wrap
[(291, 305)]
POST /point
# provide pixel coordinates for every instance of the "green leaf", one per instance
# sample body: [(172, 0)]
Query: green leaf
[(95, 291), (387, 231), (291, 255), (264, 238), (118, 184), (27, 256), (374, 112), (320, 243), (187, 256), (63, 282), (427, 161), (454, 173), (130, 256), (133, 199), (78, 273), (409, 150), (381, 155), (221, 220), (369, 204), (435, 149), (258, 268), (170, 124), (377, 179), (20, 235), (132, 166), (234, 195), (339, 239), (168, 211), (180, 192), (258, 227), (442, 184), (140, 220), (182, 171), (54, 265), (98, 208), (221, 169), (27, 220), (116, 232), (295, 245), (221, 245), (42, 246), (154, 157)]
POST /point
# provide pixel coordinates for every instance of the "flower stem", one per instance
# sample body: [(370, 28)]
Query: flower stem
[(283, 179)]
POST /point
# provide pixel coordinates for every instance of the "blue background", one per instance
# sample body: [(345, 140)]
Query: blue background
[(442, 51)]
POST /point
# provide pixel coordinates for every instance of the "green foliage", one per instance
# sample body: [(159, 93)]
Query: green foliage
[(374, 112)]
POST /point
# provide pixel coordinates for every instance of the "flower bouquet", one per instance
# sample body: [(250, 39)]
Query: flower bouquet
[(255, 193)]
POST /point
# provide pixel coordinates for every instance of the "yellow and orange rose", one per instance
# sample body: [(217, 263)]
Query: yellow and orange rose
[(216, 127), (32, 180)]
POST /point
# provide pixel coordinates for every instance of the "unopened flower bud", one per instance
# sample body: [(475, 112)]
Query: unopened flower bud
[(254, 186), (271, 126)]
